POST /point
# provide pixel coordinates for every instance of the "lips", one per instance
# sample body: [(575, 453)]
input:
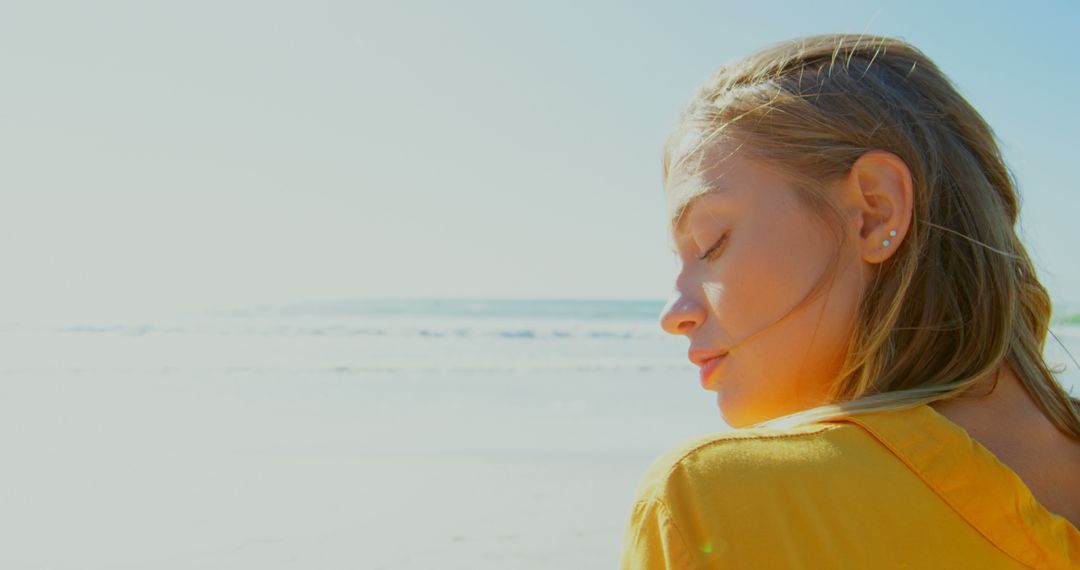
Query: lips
[(708, 368), (700, 356)]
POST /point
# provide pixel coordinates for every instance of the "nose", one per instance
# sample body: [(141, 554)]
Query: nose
[(681, 314)]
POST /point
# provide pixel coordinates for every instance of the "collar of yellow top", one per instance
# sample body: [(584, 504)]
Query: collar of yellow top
[(976, 484)]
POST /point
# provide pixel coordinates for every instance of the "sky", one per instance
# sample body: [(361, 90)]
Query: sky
[(176, 156)]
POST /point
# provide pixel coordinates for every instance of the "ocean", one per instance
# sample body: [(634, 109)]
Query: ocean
[(379, 434)]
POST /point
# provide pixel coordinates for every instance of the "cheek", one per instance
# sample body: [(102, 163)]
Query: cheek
[(767, 274), (759, 298)]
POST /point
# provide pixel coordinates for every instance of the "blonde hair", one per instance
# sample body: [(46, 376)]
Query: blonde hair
[(959, 296)]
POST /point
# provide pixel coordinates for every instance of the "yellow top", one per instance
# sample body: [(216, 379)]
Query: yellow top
[(903, 489)]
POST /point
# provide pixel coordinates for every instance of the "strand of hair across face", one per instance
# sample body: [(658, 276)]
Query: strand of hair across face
[(789, 313)]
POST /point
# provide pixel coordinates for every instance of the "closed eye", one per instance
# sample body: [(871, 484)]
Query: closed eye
[(709, 251)]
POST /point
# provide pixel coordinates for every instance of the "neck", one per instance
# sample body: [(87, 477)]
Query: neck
[(1005, 417)]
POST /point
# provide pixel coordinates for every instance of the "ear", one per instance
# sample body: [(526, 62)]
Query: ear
[(877, 195)]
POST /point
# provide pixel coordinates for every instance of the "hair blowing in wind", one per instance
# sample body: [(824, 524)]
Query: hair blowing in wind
[(960, 295)]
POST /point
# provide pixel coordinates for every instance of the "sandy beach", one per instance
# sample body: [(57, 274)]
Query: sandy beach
[(263, 447)]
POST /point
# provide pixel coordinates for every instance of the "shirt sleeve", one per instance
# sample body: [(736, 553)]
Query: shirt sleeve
[(652, 541)]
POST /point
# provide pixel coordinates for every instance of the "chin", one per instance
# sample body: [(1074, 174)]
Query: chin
[(731, 414), (735, 414)]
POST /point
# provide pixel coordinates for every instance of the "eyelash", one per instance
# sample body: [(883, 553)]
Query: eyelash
[(714, 247)]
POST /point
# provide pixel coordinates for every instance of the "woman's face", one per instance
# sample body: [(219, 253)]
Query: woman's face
[(744, 298)]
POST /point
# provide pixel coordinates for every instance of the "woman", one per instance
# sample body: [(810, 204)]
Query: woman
[(854, 291)]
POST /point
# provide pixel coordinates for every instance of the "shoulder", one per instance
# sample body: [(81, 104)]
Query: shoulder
[(830, 453), (727, 499)]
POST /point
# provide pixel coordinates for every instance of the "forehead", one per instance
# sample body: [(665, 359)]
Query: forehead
[(699, 177), (680, 218), (686, 189)]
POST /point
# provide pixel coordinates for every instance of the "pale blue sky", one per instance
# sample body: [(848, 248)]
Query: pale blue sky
[(172, 156)]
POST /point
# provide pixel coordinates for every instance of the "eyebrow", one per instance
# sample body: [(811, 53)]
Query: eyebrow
[(679, 220)]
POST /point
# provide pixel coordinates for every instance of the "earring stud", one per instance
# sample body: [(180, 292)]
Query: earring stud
[(885, 242)]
